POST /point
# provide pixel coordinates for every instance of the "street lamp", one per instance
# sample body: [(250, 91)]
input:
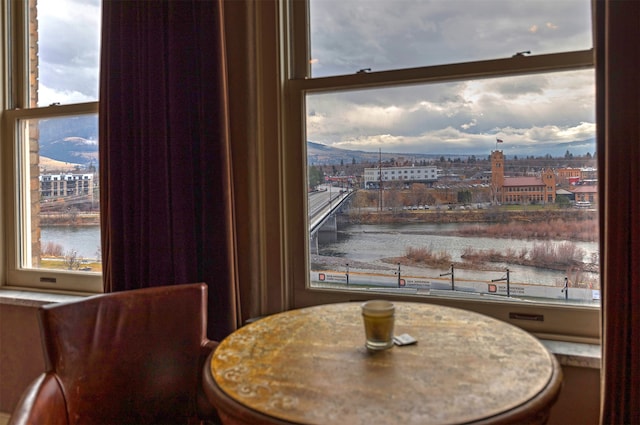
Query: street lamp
[(399, 276), (504, 278), (452, 277)]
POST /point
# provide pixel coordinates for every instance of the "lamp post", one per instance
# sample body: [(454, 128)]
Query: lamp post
[(504, 278), (566, 288), (452, 278)]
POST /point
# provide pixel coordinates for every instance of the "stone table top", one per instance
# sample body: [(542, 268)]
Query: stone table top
[(310, 366)]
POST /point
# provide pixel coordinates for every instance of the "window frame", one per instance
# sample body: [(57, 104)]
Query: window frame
[(563, 322), (14, 69)]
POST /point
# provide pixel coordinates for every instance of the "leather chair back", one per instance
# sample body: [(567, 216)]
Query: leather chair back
[(129, 357)]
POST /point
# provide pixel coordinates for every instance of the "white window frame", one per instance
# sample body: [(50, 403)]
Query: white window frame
[(14, 92), (560, 322)]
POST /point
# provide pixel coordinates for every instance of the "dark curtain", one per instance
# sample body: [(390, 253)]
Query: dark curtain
[(165, 186), (618, 65)]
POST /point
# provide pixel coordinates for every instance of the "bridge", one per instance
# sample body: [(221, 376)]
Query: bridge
[(323, 206)]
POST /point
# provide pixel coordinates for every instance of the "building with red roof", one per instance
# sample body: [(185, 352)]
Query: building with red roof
[(585, 193), (521, 190)]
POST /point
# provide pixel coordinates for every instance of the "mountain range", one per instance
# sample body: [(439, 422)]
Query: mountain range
[(319, 154), (74, 140)]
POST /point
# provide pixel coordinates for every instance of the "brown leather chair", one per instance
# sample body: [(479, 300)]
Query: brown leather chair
[(131, 357)]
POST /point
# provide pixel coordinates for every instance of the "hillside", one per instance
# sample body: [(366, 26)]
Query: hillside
[(72, 140), (319, 154)]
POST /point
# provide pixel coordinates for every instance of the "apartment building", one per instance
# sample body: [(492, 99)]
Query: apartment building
[(55, 186), (413, 174)]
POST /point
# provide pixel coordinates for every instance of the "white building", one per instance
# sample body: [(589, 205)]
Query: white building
[(424, 174), (61, 185)]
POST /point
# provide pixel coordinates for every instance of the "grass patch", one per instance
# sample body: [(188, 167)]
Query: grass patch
[(59, 264)]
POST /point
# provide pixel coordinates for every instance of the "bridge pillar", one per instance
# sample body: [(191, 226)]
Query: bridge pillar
[(328, 233), (313, 243)]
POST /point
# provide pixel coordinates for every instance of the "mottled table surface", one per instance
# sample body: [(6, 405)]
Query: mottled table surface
[(309, 366)]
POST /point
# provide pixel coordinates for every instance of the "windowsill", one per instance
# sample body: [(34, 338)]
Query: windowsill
[(575, 353), (29, 298), (568, 353)]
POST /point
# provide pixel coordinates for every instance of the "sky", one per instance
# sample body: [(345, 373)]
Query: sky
[(531, 114), (69, 51)]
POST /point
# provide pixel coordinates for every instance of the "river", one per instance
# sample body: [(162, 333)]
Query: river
[(85, 240), (370, 243)]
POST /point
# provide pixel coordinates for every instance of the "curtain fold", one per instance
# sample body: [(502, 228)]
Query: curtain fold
[(165, 167), (618, 63)]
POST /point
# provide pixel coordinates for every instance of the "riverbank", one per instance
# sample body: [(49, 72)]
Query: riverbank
[(530, 214), (77, 219), (500, 223)]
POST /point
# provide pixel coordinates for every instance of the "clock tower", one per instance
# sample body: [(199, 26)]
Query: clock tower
[(497, 175)]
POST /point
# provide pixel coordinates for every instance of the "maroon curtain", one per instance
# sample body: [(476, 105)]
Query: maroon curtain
[(165, 186), (618, 65)]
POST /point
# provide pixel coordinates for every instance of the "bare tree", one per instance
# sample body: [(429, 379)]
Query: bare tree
[(72, 261)]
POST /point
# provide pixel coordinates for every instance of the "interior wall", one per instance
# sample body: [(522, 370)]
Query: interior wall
[(21, 358), (579, 400)]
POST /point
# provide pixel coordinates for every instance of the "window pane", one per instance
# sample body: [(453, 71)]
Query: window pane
[(485, 187), (347, 36), (66, 39), (59, 197)]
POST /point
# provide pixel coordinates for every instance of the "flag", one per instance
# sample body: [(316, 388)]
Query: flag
[(499, 141)]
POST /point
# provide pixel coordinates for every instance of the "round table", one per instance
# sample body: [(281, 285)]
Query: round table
[(310, 366)]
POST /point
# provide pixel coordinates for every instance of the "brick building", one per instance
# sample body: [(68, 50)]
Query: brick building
[(585, 193), (520, 190)]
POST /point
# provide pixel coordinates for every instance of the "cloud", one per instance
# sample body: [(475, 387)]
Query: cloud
[(531, 111), (48, 96), (350, 35), (469, 125), (462, 116), (68, 50)]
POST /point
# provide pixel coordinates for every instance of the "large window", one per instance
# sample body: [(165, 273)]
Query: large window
[(450, 156), (50, 142)]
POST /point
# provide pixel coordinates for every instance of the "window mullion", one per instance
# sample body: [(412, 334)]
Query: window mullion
[(452, 72), (297, 12)]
